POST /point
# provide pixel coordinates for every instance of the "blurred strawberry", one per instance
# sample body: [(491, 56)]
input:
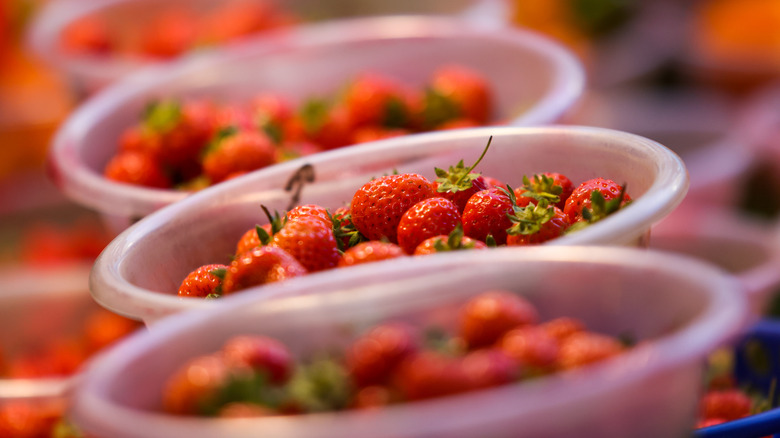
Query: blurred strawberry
[(370, 251), (203, 281), (262, 265), (241, 151), (170, 33), (137, 168)]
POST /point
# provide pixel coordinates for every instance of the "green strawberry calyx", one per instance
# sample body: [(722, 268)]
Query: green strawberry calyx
[(162, 116), (542, 187), (529, 219), (459, 178)]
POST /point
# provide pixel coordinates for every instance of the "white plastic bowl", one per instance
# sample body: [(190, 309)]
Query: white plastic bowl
[(679, 309), (91, 73), (140, 271), (535, 80), (745, 247)]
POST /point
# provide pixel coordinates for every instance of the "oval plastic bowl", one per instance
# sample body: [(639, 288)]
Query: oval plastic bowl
[(140, 271), (34, 305), (535, 80), (676, 307), (748, 249), (91, 73)]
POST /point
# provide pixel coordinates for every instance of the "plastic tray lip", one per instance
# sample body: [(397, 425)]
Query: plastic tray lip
[(79, 181), (109, 285), (725, 315)]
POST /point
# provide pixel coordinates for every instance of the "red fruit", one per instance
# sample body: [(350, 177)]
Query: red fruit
[(459, 183), (461, 196), (184, 129), (485, 318), (311, 241), (436, 244), (467, 89), (265, 264), (728, 405), (372, 397), (140, 139), (370, 251), (171, 33), (584, 348), (102, 328), (377, 100), (260, 353), (373, 357), (457, 124), (555, 188), (236, 19), (378, 206), (530, 346), (137, 169), (88, 35), (203, 281), (329, 126), (487, 214), (489, 367), (245, 410), (535, 224), (430, 374), (30, 418), (372, 133), (581, 198), (194, 385), (314, 210), (242, 152), (563, 327), (250, 239), (427, 218)]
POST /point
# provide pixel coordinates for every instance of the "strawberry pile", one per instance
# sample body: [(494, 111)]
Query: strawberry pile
[(172, 30), (392, 363), (190, 144), (407, 214)]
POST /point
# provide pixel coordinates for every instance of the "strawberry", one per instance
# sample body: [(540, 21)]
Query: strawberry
[(531, 347), (88, 35), (535, 224), (458, 92), (555, 188), (194, 385), (427, 218), (346, 234), (171, 33), (326, 124), (459, 123), (370, 251), (204, 281), (138, 169), (563, 327), (459, 183), (233, 20), (238, 151), (251, 238), (315, 210), (139, 138), (371, 397), (245, 410), (377, 207), (729, 404), (584, 348), (488, 367), (372, 358), (311, 241), (428, 374), (485, 318), (260, 353), (102, 328), (265, 264), (487, 214), (270, 112), (453, 242), (365, 134), (377, 100), (587, 200)]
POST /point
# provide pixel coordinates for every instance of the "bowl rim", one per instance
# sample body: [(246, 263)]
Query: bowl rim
[(111, 289), (724, 316), (89, 188)]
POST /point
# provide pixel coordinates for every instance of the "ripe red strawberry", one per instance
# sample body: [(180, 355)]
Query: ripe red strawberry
[(459, 183), (729, 404), (241, 151), (455, 241), (372, 358), (138, 169), (370, 251), (584, 348), (562, 327), (327, 125), (555, 188), (535, 224), (260, 353), (311, 241), (245, 410), (489, 367), (265, 264), (372, 397), (466, 94), (583, 196), (171, 33), (531, 347), (427, 218), (305, 210), (270, 112), (139, 138), (428, 374), (372, 133), (251, 239), (204, 281), (377, 100), (87, 35), (487, 214), (237, 19), (485, 318), (378, 206), (194, 385)]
